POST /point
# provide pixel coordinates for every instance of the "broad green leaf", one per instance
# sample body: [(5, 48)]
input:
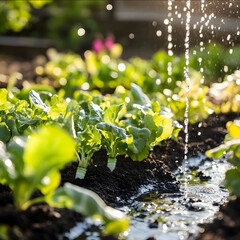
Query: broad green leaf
[(117, 131), (232, 181), (50, 182), (111, 113), (5, 133), (82, 120), (37, 101), (16, 149), (83, 201), (25, 122), (140, 139), (117, 226), (152, 123), (234, 129), (95, 113), (70, 126), (235, 161), (89, 142), (3, 96), (21, 106), (138, 96), (7, 170), (220, 150), (72, 106), (56, 110), (48, 148), (3, 99), (11, 123), (167, 127), (156, 107)]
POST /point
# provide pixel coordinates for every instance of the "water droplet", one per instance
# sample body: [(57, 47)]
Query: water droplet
[(81, 32), (166, 21), (121, 67), (158, 81), (85, 86), (154, 23), (131, 35), (159, 33), (225, 68), (109, 7)]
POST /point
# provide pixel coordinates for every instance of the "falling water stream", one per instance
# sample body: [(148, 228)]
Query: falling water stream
[(187, 79)]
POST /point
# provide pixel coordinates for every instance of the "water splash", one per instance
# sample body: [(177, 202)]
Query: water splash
[(170, 44), (187, 79)]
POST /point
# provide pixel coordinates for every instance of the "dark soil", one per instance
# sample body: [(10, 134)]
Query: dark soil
[(226, 225), (44, 222), (39, 222)]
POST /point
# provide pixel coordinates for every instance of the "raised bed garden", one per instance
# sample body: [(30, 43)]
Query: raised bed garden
[(93, 146)]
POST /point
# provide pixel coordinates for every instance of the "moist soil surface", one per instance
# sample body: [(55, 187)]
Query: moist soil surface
[(115, 188), (226, 225)]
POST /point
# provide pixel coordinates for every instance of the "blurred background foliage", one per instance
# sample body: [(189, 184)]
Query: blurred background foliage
[(57, 20)]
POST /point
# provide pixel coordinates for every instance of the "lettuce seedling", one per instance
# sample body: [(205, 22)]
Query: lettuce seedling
[(34, 164), (114, 137), (138, 143), (113, 141), (88, 137), (89, 142)]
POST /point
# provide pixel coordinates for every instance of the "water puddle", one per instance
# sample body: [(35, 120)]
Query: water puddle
[(170, 216)]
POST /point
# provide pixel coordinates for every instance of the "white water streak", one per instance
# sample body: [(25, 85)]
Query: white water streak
[(170, 44), (187, 80)]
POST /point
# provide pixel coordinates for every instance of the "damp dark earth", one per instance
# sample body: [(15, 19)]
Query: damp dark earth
[(119, 120)]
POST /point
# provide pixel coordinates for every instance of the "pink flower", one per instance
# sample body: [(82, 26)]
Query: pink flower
[(109, 43), (97, 46)]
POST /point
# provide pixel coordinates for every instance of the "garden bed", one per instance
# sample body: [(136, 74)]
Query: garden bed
[(115, 188)]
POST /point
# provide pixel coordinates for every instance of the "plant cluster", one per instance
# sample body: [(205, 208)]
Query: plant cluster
[(15, 15), (142, 112), (75, 129), (126, 122), (59, 20), (37, 140), (102, 69), (226, 95)]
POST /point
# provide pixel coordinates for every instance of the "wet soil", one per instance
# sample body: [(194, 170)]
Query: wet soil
[(226, 225), (44, 222), (125, 180)]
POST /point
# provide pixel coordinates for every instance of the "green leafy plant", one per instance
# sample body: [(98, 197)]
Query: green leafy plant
[(88, 136), (22, 167), (232, 147), (15, 15), (113, 135), (34, 163), (226, 95), (147, 123)]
